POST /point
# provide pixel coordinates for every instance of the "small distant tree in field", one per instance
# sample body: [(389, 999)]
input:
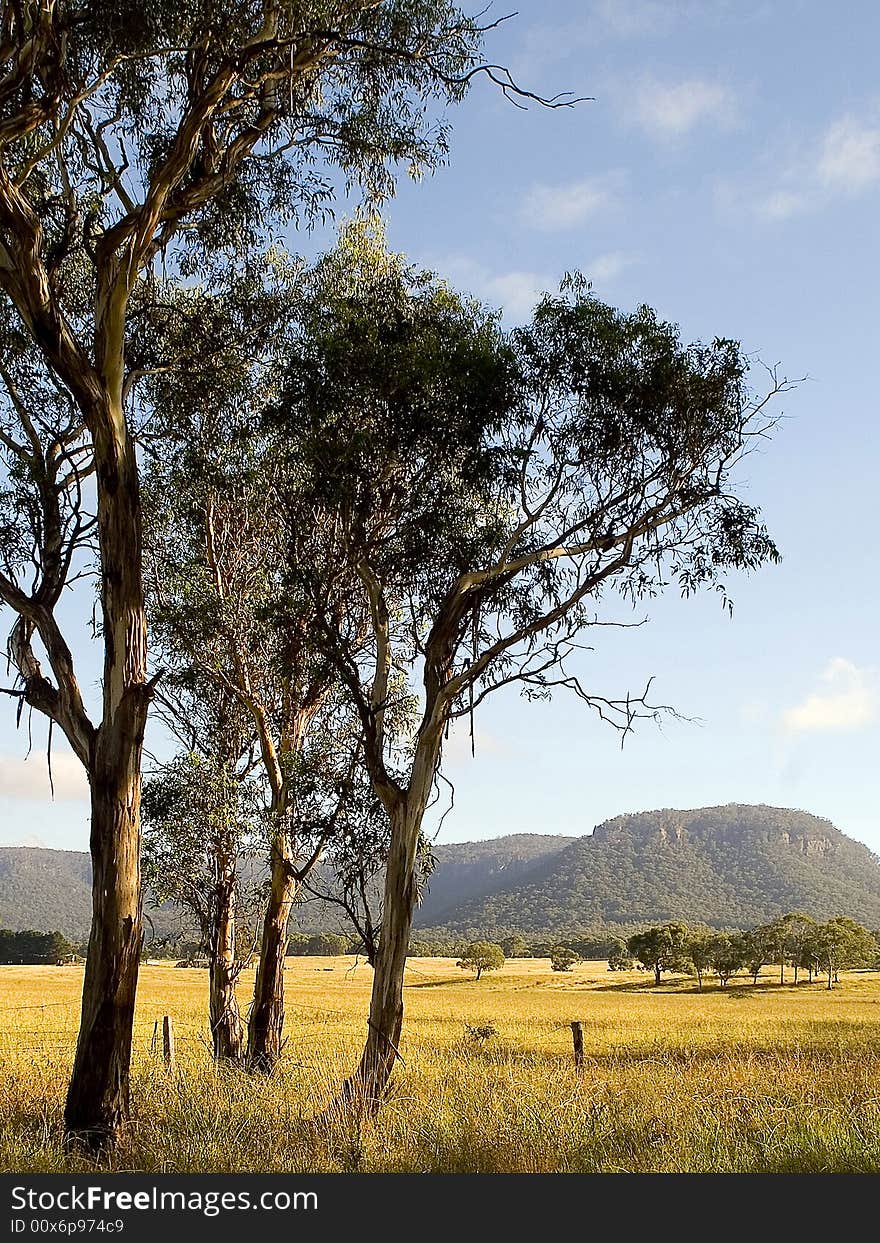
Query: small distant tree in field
[(663, 948), (619, 958), (562, 958), (482, 956), (727, 955), (776, 937), (699, 951), (800, 935), (842, 943), (759, 948), (515, 946)]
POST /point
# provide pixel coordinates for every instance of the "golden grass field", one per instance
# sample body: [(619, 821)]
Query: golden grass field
[(764, 1078)]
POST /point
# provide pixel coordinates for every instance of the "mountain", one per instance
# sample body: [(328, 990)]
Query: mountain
[(50, 889), (731, 866), (468, 870), (45, 889)]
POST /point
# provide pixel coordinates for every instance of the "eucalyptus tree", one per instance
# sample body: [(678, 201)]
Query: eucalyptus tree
[(203, 836), (222, 614), (700, 949), (728, 955), (842, 943), (481, 495), (665, 947), (800, 932), (134, 136)]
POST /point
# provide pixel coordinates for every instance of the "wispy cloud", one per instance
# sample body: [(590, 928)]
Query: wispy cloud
[(28, 779), (600, 22), (552, 208), (841, 161), (515, 291), (849, 158), (672, 109), (609, 266), (846, 700), (459, 746)]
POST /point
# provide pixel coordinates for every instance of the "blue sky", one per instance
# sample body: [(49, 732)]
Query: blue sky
[(728, 173)]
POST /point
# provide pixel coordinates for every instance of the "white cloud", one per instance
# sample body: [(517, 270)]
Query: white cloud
[(553, 208), (457, 747), (848, 701), (515, 291), (673, 109), (843, 160), (849, 158), (607, 267), (28, 779), (782, 205)]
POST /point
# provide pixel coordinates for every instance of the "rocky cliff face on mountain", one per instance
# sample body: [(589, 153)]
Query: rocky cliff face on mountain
[(730, 866)]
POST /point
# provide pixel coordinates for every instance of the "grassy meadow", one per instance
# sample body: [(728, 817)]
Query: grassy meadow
[(765, 1078)]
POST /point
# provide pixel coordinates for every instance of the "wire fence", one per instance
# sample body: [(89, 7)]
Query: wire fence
[(309, 1030)]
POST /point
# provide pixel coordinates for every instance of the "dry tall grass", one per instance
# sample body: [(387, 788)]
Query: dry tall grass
[(745, 1079)]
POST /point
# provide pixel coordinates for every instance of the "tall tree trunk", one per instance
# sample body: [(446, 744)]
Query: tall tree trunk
[(363, 1092), (98, 1095), (225, 1017), (656, 974), (266, 1022)]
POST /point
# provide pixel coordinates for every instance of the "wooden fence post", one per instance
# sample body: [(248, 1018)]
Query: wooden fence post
[(154, 1043), (577, 1035), (168, 1041)]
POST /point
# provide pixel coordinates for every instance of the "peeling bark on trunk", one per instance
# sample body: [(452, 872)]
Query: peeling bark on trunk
[(365, 1088), (363, 1092), (266, 1022), (98, 1098), (227, 1032), (98, 1095)]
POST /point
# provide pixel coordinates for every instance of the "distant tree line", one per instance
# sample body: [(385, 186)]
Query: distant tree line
[(794, 941), (32, 947)]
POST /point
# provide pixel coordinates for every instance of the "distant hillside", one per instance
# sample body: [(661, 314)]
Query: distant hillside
[(725, 866), (49, 889), (731, 866), (468, 870), (45, 889)]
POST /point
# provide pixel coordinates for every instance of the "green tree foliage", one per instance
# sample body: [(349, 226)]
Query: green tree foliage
[(515, 946), (841, 943), (563, 958), (619, 957), (727, 955), (482, 956), (700, 954), (663, 948), (30, 946), (800, 939), (319, 944)]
